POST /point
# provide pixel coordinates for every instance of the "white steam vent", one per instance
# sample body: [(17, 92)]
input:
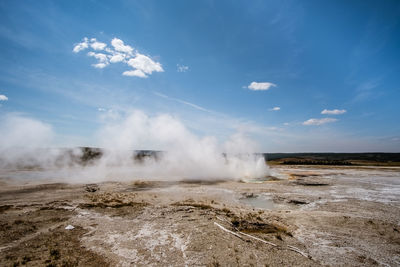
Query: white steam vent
[(185, 155)]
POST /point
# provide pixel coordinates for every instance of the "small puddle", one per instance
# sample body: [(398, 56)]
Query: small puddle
[(258, 201)]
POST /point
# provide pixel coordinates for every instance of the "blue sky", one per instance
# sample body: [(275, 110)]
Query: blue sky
[(201, 61)]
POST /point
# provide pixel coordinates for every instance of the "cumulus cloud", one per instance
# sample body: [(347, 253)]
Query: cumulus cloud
[(97, 45), (260, 86), (181, 68), (275, 109), (137, 73), (117, 58), (319, 121), (81, 46), (145, 64), (101, 57), (102, 60), (333, 111), (3, 98), (119, 45), (142, 65)]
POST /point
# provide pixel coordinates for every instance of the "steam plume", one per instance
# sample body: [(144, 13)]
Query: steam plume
[(185, 155)]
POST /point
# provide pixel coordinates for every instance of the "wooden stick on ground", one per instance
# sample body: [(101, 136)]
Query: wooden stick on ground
[(259, 239), (237, 235), (291, 248), (297, 250), (228, 231)]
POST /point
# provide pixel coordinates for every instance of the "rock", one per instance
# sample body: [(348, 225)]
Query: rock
[(297, 202), (91, 188)]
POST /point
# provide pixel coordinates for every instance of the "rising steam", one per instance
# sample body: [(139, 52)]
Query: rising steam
[(184, 155)]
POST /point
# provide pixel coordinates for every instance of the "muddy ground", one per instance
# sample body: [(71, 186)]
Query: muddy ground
[(309, 216)]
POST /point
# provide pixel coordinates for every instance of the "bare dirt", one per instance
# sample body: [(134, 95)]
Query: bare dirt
[(311, 216)]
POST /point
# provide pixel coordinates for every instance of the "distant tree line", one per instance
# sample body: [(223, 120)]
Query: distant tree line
[(370, 157), (316, 162)]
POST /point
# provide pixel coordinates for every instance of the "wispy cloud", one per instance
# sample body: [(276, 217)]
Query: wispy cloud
[(246, 126), (3, 98), (366, 89), (141, 65), (183, 102), (319, 121), (181, 68), (109, 113), (275, 109), (263, 86), (333, 111)]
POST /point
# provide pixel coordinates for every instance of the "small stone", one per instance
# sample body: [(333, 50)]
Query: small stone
[(69, 227)]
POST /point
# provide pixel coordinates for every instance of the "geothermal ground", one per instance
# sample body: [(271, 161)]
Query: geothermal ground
[(308, 216)]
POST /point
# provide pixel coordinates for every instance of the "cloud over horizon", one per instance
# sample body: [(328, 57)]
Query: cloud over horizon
[(334, 111), (275, 109), (319, 121), (141, 65), (3, 98), (263, 86)]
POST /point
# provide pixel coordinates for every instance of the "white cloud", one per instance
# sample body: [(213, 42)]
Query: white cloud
[(275, 109), (119, 52), (260, 86), (119, 45), (319, 121), (137, 73), (3, 98), (98, 45), (100, 65), (145, 64), (102, 60), (100, 56), (333, 111), (81, 46), (117, 58), (181, 68)]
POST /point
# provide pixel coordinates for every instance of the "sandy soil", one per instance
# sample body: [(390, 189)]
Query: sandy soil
[(311, 216)]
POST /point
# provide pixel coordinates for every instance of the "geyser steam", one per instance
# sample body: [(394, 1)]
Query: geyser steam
[(185, 155)]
